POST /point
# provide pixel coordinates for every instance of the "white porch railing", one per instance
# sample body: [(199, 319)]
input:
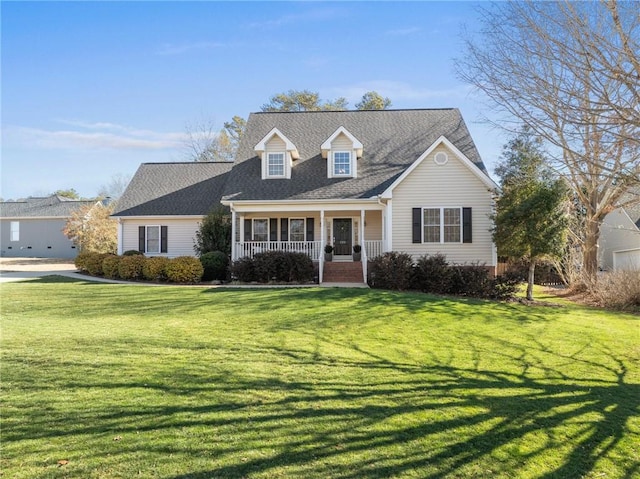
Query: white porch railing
[(249, 248), (372, 248)]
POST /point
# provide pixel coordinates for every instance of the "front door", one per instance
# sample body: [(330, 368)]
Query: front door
[(342, 236)]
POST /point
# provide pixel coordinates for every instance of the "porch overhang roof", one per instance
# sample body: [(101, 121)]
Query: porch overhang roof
[(305, 205)]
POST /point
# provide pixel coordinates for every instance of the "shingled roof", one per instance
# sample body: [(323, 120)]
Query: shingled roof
[(170, 189), (53, 206), (392, 139)]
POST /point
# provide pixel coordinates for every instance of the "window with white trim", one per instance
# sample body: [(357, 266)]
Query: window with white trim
[(296, 229), (260, 229), (152, 236), (275, 165), (15, 231), (442, 225), (341, 163)]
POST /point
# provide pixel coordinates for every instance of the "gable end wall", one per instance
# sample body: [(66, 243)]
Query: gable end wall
[(449, 185)]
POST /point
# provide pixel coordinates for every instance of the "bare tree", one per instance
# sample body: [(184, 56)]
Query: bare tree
[(115, 187), (570, 71), (205, 143)]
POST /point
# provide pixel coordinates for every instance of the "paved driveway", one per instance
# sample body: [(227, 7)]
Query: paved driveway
[(18, 269)]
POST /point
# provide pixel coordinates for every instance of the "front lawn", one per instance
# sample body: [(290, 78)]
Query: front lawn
[(128, 381)]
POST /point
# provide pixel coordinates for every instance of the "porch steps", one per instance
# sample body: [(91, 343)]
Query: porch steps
[(342, 272)]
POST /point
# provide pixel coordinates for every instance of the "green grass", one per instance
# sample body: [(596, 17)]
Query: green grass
[(131, 381)]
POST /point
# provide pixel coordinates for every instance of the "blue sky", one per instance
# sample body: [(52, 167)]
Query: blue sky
[(91, 90)]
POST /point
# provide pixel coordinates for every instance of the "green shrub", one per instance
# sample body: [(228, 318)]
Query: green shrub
[(215, 264), (270, 266), (130, 267), (132, 252), (432, 274), (110, 266), (300, 268), (81, 261), (391, 270), (90, 263), (184, 269), (274, 266), (155, 268), (243, 270), (471, 280)]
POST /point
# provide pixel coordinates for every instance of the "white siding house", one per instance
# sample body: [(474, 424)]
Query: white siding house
[(390, 180)]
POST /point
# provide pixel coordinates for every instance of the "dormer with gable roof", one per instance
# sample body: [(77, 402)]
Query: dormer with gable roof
[(342, 151), (277, 153)]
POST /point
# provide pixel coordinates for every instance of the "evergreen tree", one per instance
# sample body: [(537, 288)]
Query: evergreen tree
[(530, 218), (214, 233)]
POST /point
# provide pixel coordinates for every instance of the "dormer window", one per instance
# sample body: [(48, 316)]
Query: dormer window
[(342, 163), (342, 150), (275, 165), (277, 154)]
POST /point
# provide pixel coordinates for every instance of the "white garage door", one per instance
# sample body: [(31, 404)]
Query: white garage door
[(628, 260)]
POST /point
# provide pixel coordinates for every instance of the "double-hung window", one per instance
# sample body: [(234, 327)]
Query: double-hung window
[(153, 239), (275, 165), (341, 163), (442, 225), (15, 231), (296, 229), (260, 229)]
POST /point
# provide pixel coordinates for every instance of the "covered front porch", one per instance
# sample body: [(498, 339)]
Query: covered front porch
[(355, 233)]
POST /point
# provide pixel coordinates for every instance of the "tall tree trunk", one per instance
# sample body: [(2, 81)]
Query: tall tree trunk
[(532, 270), (590, 253)]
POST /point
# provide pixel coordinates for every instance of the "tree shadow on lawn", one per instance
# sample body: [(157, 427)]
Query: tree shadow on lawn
[(509, 411), (441, 420)]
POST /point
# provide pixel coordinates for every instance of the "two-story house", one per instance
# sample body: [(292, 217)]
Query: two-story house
[(389, 180)]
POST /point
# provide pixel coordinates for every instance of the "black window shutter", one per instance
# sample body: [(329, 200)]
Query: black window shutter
[(141, 239), (284, 229), (163, 238), (247, 230), (417, 225), (273, 229), (466, 225), (309, 229)]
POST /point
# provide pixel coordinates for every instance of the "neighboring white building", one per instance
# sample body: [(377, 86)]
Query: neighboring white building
[(619, 245)]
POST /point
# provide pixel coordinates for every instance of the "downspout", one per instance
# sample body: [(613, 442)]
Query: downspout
[(120, 238)]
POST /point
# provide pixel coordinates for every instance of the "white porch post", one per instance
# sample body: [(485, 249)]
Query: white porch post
[(241, 229), (233, 233), (389, 214), (322, 243), (363, 250)]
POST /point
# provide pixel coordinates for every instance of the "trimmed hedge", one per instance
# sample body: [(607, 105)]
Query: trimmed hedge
[(184, 269), (130, 267), (91, 263), (391, 270), (155, 268), (110, 266), (274, 266), (432, 274)]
